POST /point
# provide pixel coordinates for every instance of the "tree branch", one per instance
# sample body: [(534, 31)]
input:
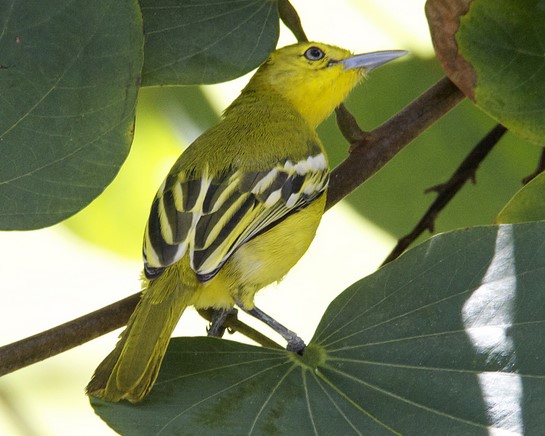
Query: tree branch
[(446, 191), (369, 152), (66, 336)]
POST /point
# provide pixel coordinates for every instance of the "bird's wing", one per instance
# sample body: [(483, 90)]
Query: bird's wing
[(212, 216)]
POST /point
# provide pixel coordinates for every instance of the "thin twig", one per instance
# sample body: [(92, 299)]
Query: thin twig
[(446, 191), (370, 152)]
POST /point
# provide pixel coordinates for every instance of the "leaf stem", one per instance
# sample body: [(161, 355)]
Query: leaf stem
[(291, 19)]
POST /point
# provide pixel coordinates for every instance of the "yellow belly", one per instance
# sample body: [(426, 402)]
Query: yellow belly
[(261, 261)]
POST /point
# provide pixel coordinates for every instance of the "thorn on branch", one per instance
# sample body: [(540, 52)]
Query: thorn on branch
[(436, 188), (459, 177)]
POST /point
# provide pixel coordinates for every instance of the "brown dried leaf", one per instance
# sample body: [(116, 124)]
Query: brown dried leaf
[(444, 19)]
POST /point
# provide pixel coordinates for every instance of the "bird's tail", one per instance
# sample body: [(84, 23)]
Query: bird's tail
[(130, 370)]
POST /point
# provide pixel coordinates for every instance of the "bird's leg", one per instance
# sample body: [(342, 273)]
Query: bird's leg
[(217, 326), (295, 343)]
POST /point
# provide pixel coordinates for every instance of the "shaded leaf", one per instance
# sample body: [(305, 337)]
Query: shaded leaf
[(526, 205), (206, 41), (168, 118), (497, 57), (443, 18), (448, 339), (68, 91)]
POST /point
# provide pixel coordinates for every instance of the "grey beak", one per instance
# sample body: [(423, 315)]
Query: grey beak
[(370, 61)]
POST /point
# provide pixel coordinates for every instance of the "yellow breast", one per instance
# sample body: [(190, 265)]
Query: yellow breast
[(263, 260)]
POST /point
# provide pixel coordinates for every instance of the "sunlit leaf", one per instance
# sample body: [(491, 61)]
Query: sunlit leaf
[(448, 339), (206, 41), (69, 77)]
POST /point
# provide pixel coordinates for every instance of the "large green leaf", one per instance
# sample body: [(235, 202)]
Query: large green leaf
[(206, 41), (68, 85), (493, 50), (448, 339), (503, 40)]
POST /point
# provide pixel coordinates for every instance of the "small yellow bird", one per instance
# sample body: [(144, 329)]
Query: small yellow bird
[(238, 209)]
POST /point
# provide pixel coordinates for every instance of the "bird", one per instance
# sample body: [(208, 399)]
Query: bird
[(238, 209)]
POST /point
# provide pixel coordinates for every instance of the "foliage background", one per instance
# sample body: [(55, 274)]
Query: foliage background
[(93, 259)]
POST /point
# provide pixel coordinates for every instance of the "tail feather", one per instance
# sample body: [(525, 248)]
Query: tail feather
[(130, 370)]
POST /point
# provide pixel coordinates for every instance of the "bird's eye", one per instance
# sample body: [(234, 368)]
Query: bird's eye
[(314, 54)]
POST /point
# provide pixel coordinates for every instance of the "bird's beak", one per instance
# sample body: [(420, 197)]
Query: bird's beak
[(369, 61)]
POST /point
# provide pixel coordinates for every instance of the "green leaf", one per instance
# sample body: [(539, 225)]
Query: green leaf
[(448, 339), (526, 205), (493, 50), (206, 41), (503, 40), (68, 85), (168, 118)]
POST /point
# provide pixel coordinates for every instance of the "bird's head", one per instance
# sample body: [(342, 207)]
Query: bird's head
[(316, 77)]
